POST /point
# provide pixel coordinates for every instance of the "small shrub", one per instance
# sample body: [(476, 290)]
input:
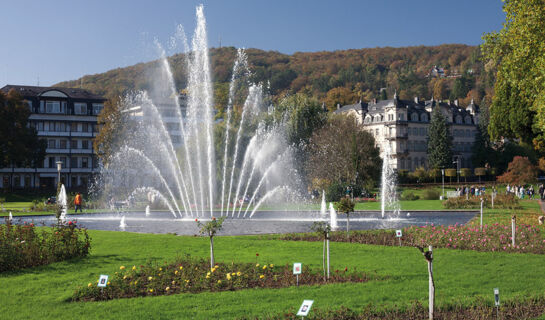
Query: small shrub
[(23, 246), (501, 201), (409, 196), (430, 194)]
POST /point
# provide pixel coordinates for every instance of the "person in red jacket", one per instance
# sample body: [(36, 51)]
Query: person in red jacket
[(77, 202)]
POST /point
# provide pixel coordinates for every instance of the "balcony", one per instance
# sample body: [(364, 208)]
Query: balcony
[(397, 136)]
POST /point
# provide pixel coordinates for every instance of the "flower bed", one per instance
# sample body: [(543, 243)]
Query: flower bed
[(495, 237), (501, 201), (23, 246), (189, 275)]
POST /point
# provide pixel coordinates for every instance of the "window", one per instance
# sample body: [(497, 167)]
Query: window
[(51, 143), (414, 117), (42, 107), (458, 119), (97, 107), (74, 126), (63, 160), (84, 127), (52, 162), (73, 162), (27, 181), (422, 133), (62, 144), (84, 144), (73, 144), (80, 108), (60, 126), (84, 162), (400, 117), (424, 117), (53, 107), (376, 132), (40, 126)]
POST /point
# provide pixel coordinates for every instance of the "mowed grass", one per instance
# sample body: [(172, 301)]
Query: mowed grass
[(461, 276)]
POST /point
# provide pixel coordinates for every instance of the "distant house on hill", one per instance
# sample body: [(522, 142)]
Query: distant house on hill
[(67, 119), (403, 124), (437, 72)]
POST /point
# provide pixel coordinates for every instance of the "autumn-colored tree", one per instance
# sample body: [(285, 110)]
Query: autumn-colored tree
[(113, 124), (541, 164), (521, 171), (339, 96)]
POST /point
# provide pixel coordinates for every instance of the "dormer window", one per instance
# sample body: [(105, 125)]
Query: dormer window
[(414, 117), (55, 106)]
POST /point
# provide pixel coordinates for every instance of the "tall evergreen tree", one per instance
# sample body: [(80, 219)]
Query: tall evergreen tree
[(439, 141), (482, 147)]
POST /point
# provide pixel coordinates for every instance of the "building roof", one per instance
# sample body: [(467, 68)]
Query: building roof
[(35, 91)]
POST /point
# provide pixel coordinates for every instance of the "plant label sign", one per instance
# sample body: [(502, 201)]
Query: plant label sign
[(497, 297), (103, 280), (305, 308), (297, 268), (399, 234)]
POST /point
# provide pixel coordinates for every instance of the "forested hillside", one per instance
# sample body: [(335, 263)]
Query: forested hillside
[(338, 77)]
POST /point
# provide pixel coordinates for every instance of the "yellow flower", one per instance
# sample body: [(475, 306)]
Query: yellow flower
[(208, 273), (160, 269), (159, 274), (271, 265), (264, 267), (90, 284), (181, 267), (257, 265), (261, 276), (136, 282), (213, 269), (167, 288), (173, 282), (233, 274), (150, 278), (239, 273), (122, 268), (228, 276), (187, 281), (134, 267), (124, 277), (176, 272), (216, 266), (150, 290), (207, 277), (219, 281), (108, 283)]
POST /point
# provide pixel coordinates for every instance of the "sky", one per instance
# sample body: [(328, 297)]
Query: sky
[(51, 41)]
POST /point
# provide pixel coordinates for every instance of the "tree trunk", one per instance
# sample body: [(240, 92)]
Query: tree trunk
[(211, 252), (431, 285), (323, 258), (347, 225), (327, 252)]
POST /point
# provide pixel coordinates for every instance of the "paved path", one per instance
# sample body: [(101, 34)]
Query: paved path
[(542, 204)]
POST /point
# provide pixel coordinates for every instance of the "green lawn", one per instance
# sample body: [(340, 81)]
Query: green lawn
[(461, 276)]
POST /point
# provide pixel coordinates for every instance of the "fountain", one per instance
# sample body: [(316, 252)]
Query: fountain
[(256, 158), (10, 218), (122, 224), (147, 211), (333, 217), (388, 194), (323, 208), (62, 201)]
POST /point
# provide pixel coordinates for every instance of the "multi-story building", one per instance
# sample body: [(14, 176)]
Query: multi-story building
[(402, 126), (67, 119)]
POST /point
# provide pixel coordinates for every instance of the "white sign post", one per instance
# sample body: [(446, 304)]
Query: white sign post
[(399, 234), (305, 308), (497, 301), (297, 269), (102, 282)]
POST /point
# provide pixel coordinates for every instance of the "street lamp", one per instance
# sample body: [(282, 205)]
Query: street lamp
[(457, 162), (59, 167), (443, 178)]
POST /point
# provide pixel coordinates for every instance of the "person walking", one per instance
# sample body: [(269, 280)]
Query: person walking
[(77, 202)]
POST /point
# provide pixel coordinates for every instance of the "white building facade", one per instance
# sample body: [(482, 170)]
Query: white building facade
[(66, 118), (403, 126)]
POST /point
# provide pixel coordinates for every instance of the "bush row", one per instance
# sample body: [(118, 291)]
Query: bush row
[(501, 201), (23, 246)]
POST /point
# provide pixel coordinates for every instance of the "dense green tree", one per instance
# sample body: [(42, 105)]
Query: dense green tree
[(19, 143), (518, 54), (439, 141), (305, 115)]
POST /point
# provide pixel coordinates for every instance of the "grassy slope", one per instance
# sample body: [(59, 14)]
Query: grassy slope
[(460, 275)]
